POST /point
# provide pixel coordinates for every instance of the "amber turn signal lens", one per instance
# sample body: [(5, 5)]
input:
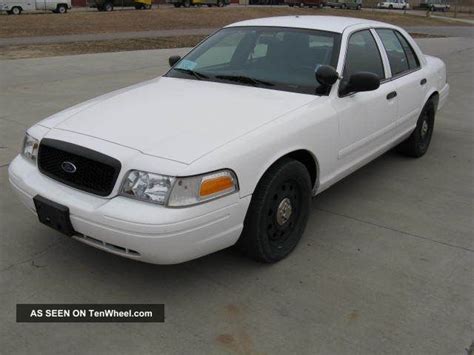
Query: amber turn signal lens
[(214, 185)]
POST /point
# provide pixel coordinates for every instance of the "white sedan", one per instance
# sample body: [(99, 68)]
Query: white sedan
[(393, 4), (230, 145)]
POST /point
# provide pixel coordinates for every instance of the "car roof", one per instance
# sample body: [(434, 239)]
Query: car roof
[(324, 23)]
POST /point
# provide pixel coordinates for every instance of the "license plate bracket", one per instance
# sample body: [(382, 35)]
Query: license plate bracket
[(54, 215)]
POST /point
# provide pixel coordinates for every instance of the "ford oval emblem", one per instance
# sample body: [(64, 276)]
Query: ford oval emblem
[(68, 167)]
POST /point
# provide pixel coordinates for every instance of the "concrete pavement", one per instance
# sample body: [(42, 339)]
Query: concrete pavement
[(385, 265)]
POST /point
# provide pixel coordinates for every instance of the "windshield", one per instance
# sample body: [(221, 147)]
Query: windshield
[(270, 57)]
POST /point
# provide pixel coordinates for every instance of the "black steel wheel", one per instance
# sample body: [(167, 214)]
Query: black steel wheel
[(278, 212), (416, 145)]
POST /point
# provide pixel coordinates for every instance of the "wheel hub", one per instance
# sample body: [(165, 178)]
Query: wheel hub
[(284, 211), (424, 129)]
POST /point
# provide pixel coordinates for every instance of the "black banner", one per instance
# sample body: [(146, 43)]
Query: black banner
[(97, 313)]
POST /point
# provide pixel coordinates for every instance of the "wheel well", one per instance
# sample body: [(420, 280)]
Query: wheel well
[(435, 97), (308, 160)]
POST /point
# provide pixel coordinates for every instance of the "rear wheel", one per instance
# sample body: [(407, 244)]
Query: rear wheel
[(187, 3), (278, 212), (390, 7), (177, 4), (343, 6), (220, 3), (301, 4), (61, 9), (15, 10), (417, 144), (108, 6)]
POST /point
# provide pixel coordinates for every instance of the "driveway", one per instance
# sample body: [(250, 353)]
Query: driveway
[(385, 265)]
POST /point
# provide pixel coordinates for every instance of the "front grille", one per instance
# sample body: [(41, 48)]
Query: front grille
[(79, 167)]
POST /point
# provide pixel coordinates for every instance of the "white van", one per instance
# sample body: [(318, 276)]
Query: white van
[(15, 7)]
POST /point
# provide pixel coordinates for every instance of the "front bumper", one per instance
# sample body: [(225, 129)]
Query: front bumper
[(136, 229)]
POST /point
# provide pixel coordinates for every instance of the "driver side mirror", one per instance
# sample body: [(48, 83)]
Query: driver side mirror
[(326, 75), (358, 82), (173, 60)]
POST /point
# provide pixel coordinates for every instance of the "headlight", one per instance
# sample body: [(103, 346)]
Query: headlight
[(178, 192), (147, 186), (30, 148)]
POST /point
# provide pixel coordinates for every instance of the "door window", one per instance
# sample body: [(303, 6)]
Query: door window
[(401, 56), (362, 56)]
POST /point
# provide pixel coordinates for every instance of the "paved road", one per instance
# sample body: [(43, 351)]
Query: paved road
[(385, 265), (448, 31)]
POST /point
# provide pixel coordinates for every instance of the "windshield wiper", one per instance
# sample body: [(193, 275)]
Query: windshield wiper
[(196, 74), (244, 79)]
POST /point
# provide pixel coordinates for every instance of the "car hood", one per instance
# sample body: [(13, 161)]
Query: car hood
[(177, 119)]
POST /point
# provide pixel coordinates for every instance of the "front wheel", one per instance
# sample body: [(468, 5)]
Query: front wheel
[(15, 11), (187, 3), (417, 144), (359, 7), (278, 212), (343, 6), (220, 3)]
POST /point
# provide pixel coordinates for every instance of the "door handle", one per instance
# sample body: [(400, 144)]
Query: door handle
[(391, 95), (423, 82)]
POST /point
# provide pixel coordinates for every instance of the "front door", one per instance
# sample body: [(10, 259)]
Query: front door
[(365, 118)]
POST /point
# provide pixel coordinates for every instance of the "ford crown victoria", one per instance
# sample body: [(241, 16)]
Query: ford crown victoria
[(160, 173)]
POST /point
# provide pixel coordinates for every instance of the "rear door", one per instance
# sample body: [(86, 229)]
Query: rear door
[(364, 117), (406, 75)]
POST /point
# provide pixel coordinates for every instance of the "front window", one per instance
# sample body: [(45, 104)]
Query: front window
[(362, 56), (268, 57)]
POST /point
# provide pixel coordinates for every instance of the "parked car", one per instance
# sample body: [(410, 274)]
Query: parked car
[(345, 4), (393, 4), (435, 5), (16, 7), (303, 3), (109, 5), (157, 172), (189, 3)]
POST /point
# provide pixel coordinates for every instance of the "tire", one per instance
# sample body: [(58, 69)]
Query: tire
[(278, 212), (108, 6), (15, 10), (417, 144), (359, 7), (61, 9), (404, 7), (390, 7), (301, 4), (177, 4), (187, 3), (343, 6), (321, 5), (291, 5), (220, 3)]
